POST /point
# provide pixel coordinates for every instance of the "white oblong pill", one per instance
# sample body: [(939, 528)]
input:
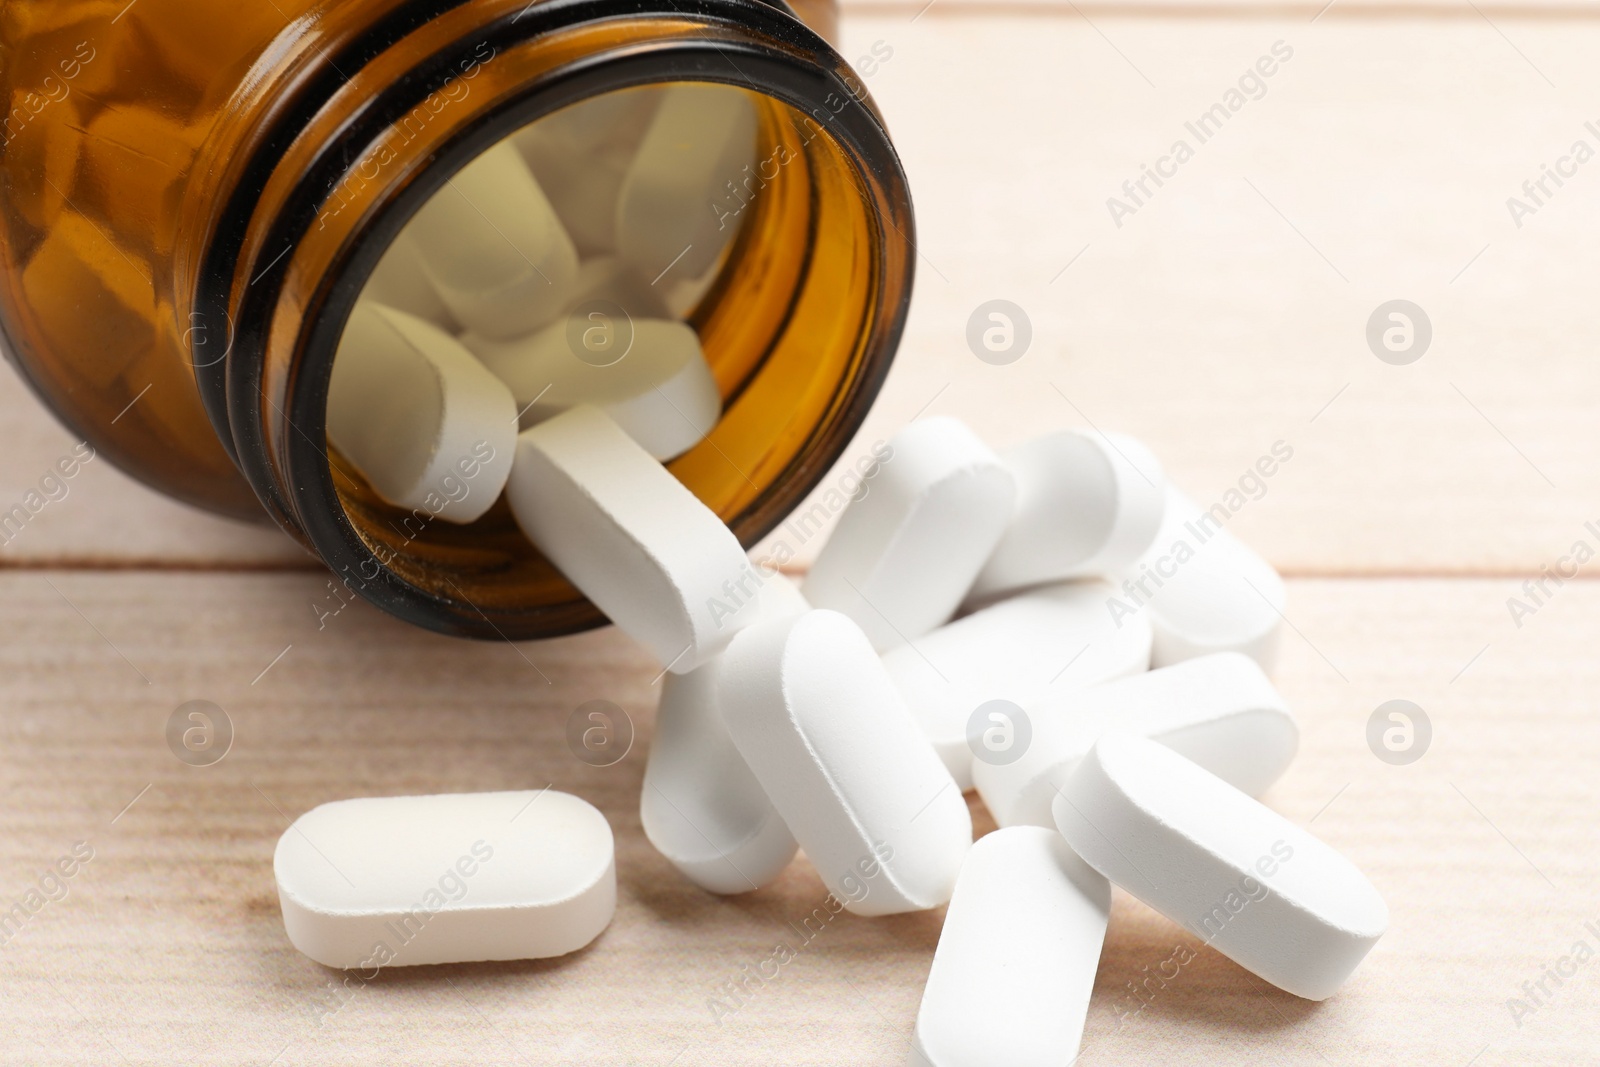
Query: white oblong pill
[(701, 807), (1219, 711), (906, 549), (673, 417), (621, 528), (399, 281), (1249, 882), (678, 207), (1087, 504), (1204, 590), (1055, 639), (1017, 956), (819, 723), (494, 249), (648, 375), (403, 881), (581, 154), (422, 419)]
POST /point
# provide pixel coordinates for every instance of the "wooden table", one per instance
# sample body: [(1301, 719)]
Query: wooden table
[(1226, 313)]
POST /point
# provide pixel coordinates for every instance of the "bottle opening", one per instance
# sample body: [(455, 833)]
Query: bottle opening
[(698, 260)]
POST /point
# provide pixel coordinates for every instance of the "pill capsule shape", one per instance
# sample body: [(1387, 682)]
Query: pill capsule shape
[(494, 249), (700, 147), (816, 718), (1087, 504), (1054, 639), (905, 552), (1204, 590), (1015, 966), (621, 528), (1219, 711), (675, 416), (580, 156), (1249, 882), (422, 419), (403, 881), (701, 807), (399, 281), (647, 375)]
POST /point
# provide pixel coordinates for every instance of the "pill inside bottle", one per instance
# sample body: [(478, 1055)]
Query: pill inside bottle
[(522, 328), (651, 252)]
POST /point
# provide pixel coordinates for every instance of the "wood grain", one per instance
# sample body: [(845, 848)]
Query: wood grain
[(101, 517), (1227, 313), (169, 946), (1230, 311)]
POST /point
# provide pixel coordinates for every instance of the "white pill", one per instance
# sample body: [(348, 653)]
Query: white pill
[(1204, 590), (1219, 711), (905, 551), (628, 534), (580, 156), (403, 881), (819, 723), (675, 416), (494, 249), (695, 158), (1236, 874), (422, 419), (1017, 956), (1087, 504), (399, 281), (648, 375), (1055, 639), (701, 807)]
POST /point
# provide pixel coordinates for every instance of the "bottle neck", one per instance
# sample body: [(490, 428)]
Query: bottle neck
[(799, 328)]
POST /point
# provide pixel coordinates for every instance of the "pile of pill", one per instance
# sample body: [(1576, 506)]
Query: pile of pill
[(1052, 625), (553, 270)]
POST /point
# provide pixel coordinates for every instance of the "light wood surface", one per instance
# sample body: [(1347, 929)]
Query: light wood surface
[(1226, 315), (170, 938), (1229, 312), (106, 519)]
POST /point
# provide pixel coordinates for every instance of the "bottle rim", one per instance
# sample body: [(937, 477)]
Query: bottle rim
[(771, 53)]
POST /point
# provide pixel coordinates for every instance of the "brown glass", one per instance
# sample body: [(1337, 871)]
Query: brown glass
[(193, 194)]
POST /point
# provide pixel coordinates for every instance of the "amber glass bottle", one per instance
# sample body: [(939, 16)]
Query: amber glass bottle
[(193, 194)]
